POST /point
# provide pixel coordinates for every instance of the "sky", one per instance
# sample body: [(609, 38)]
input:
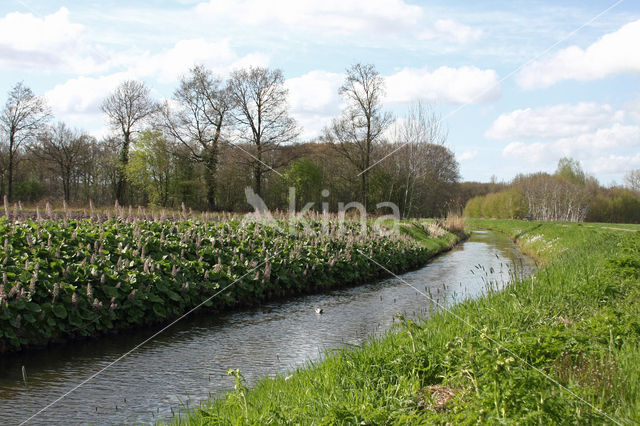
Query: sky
[(518, 84)]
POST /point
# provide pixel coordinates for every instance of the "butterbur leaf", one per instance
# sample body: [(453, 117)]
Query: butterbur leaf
[(34, 307), (75, 321), (174, 296), (155, 298), (159, 310), (110, 291), (15, 322), (60, 311)]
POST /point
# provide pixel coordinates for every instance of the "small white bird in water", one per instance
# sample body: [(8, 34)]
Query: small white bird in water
[(319, 311)]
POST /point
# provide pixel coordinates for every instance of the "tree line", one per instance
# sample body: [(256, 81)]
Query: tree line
[(215, 137), (568, 195)]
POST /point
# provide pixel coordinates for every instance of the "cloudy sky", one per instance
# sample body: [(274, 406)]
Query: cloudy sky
[(520, 84)]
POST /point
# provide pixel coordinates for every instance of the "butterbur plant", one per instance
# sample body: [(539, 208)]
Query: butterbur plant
[(89, 264)]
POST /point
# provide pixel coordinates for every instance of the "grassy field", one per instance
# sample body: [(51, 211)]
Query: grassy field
[(560, 347)]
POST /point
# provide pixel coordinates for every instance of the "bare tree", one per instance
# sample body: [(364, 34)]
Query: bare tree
[(65, 150), (357, 131), (4, 166), (261, 116), (127, 107), (199, 120), (632, 180), (419, 155), (23, 116)]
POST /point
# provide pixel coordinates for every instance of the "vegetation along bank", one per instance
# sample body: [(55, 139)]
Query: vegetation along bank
[(70, 278), (560, 347)]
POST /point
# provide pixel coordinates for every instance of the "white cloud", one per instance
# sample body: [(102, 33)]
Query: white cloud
[(315, 91), (598, 135), (333, 16), (604, 151), (616, 164), (534, 153), (633, 109), (330, 18), (464, 85), (584, 146), (614, 53), (616, 136), (554, 121), (452, 30), (77, 101), (83, 95), (80, 98), (25, 32), (217, 56), (54, 41), (314, 99), (468, 155), (169, 65)]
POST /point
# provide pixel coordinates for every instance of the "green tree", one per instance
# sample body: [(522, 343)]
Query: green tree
[(571, 171), (127, 108), (306, 177), (199, 120), (150, 167)]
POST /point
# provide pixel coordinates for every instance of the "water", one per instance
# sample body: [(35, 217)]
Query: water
[(187, 363)]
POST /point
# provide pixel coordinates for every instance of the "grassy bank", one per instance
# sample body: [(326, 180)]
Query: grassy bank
[(560, 347), (67, 278)]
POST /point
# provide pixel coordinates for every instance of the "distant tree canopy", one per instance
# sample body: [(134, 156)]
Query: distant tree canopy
[(216, 137), (568, 195)]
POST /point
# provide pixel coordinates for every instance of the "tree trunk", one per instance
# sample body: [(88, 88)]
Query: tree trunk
[(10, 183), (121, 188), (258, 183), (363, 183), (211, 164), (66, 183), (258, 172)]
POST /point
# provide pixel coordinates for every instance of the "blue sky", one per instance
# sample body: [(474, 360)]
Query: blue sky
[(512, 102)]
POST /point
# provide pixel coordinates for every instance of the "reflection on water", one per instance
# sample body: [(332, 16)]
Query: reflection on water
[(187, 363)]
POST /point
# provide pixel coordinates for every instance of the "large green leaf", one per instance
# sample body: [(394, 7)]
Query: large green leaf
[(60, 311), (174, 296), (33, 307), (159, 310), (110, 291)]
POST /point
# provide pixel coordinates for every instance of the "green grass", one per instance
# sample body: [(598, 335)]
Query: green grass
[(560, 347)]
